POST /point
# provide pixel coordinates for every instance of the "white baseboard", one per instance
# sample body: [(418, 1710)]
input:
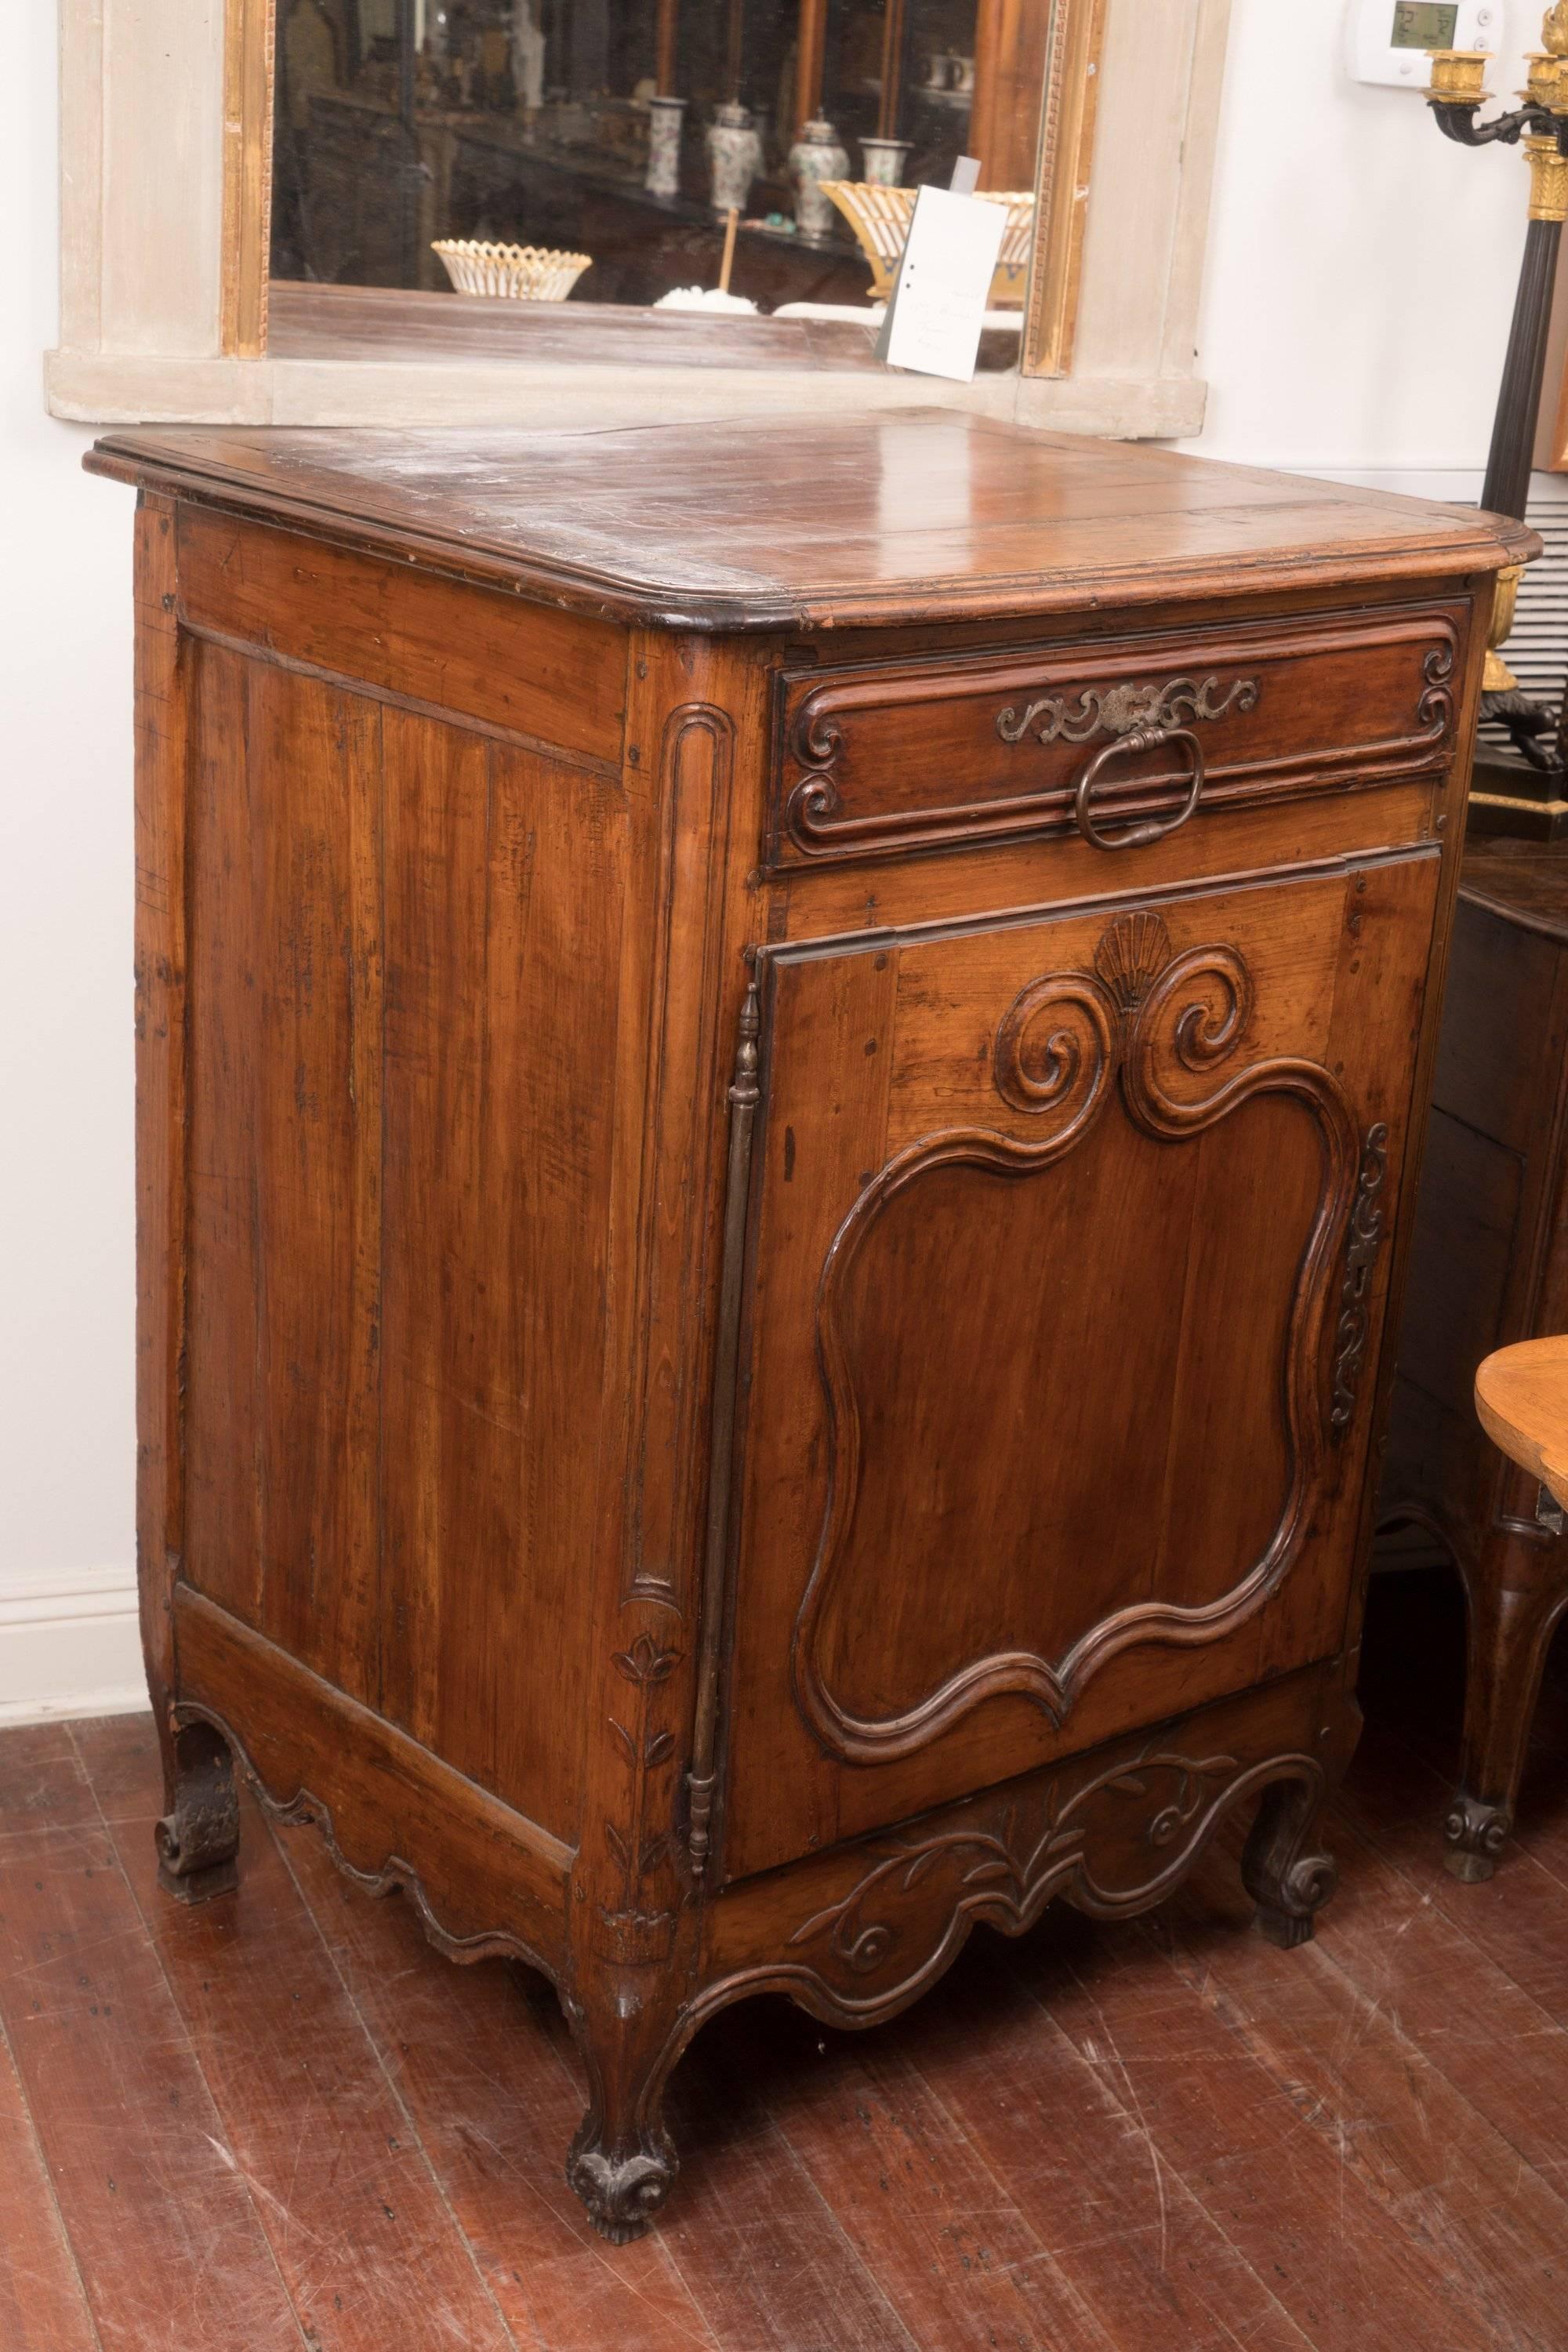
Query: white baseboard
[(70, 1645)]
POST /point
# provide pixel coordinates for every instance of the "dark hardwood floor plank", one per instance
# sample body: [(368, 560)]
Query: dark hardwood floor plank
[(1491, 2234), (42, 2306), (931, 2219), (351, 2208), (119, 1755), (754, 2258), (1407, 1951), (42, 1784), (1102, 2138), (752, 2261), (1519, 1919), (1117, 2219), (476, 2055), (165, 2232), (761, 2250), (1205, 2111)]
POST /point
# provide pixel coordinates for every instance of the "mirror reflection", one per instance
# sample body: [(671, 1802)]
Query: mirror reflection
[(638, 141)]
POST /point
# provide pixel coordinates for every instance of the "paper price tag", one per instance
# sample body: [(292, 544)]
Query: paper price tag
[(938, 307)]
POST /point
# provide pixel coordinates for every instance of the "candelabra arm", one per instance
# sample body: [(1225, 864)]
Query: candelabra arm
[(1457, 119)]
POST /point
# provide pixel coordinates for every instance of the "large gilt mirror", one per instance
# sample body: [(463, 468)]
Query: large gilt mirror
[(659, 145)]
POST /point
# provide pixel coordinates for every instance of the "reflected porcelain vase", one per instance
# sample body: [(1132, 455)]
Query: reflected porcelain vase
[(883, 160), (816, 156), (735, 156), (665, 117)]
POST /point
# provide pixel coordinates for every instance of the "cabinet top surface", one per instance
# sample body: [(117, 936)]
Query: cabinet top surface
[(816, 521)]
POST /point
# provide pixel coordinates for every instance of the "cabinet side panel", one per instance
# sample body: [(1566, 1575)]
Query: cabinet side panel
[(285, 1137), (503, 883), (404, 972)]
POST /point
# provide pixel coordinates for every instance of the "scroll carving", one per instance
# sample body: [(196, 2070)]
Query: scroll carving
[(1014, 1860), (1434, 710), (843, 741), (1145, 1015), (1360, 1256), (1119, 710), (904, 1919)]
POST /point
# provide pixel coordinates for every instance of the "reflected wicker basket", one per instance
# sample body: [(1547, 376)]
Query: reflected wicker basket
[(517, 273), (880, 220)]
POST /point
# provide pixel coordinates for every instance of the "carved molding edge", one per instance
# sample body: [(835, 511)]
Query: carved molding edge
[(872, 1955), (393, 1876), (812, 822), (1124, 1019), (683, 899), (1013, 1870)]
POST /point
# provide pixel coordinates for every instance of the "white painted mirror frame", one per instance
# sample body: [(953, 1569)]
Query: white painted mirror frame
[(142, 314)]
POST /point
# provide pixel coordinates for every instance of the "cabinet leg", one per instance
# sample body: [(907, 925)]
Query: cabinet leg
[(622, 2162), (198, 1837), (1514, 1598), (1287, 1883)]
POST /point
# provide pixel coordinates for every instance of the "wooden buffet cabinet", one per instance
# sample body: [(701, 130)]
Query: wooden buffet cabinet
[(776, 1068)]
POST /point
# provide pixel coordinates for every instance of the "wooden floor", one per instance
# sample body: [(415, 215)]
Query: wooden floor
[(282, 2121)]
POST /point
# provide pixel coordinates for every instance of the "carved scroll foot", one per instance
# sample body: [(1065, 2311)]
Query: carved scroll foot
[(622, 2163), (1476, 1834), (198, 1837), (1289, 1884), (622, 2179)]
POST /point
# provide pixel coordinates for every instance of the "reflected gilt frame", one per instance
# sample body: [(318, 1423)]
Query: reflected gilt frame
[(1069, 104)]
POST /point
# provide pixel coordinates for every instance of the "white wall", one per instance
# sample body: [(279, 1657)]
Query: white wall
[(1362, 267), (66, 1440), (1359, 282)]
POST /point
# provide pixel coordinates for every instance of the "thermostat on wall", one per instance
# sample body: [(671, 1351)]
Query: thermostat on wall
[(1389, 40)]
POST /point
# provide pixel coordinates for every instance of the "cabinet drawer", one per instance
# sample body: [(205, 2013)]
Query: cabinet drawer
[(882, 760)]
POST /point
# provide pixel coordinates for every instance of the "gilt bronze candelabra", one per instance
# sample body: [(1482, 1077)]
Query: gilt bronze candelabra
[(1540, 124)]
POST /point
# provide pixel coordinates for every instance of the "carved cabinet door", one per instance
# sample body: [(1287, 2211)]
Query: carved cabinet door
[(1063, 1300)]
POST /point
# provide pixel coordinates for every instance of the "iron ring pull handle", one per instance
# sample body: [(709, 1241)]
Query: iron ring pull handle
[(1137, 837)]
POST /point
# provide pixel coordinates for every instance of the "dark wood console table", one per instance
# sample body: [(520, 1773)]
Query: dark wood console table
[(776, 1069), (1488, 1267)]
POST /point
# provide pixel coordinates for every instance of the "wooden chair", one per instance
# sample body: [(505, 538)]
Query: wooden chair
[(1515, 1599)]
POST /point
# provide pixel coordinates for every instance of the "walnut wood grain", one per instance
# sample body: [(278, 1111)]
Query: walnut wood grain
[(716, 1421), (781, 523), (556, 685), (878, 763)]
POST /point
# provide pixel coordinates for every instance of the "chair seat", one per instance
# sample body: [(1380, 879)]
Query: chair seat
[(1521, 1396)]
